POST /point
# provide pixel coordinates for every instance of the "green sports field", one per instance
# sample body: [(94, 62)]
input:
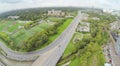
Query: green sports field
[(16, 31)]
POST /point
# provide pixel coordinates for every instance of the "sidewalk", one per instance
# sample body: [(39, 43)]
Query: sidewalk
[(115, 58), (106, 53)]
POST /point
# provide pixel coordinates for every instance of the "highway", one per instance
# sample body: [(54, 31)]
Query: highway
[(27, 56)]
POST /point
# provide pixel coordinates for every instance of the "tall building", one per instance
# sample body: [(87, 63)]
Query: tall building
[(58, 13)]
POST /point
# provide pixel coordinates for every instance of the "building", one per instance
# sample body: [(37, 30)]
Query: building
[(83, 27), (107, 64), (107, 11), (95, 18), (117, 46), (57, 13), (86, 16), (116, 13), (115, 25), (13, 17)]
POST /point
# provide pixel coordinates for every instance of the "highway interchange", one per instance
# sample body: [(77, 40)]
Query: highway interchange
[(28, 56)]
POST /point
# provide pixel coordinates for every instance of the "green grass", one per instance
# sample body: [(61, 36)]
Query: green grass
[(5, 24), (20, 35), (75, 62), (96, 59), (12, 28), (70, 49), (71, 46), (60, 30), (23, 34), (54, 19), (78, 36)]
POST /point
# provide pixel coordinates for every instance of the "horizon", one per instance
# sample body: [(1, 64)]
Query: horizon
[(51, 7), (8, 5), (58, 7)]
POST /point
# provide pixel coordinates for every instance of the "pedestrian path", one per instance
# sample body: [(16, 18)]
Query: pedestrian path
[(115, 58)]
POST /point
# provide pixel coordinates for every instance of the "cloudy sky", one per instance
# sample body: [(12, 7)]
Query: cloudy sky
[(6, 5)]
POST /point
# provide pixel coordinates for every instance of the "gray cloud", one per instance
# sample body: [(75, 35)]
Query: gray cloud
[(6, 5), (11, 1)]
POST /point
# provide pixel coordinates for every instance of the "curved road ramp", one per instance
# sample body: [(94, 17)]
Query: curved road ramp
[(49, 55)]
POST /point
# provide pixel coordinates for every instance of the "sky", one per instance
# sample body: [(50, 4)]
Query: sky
[(6, 5)]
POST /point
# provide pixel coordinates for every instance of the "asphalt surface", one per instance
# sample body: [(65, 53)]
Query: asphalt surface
[(27, 56)]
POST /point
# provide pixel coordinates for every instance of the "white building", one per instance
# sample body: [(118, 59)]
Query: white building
[(83, 27), (116, 13), (13, 17), (107, 64), (107, 10), (95, 18)]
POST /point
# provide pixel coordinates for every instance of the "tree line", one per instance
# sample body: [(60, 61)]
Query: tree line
[(90, 46), (40, 38), (35, 41), (4, 37)]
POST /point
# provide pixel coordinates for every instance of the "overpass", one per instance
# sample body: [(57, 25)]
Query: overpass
[(55, 49)]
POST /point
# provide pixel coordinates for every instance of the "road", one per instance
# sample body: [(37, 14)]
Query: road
[(52, 57), (115, 59), (1, 64), (27, 56)]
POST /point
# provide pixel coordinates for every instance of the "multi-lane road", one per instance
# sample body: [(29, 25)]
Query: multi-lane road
[(68, 32), (51, 58)]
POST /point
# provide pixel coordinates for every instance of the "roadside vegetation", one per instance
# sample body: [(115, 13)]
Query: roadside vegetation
[(87, 51), (31, 35), (34, 29), (40, 39)]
